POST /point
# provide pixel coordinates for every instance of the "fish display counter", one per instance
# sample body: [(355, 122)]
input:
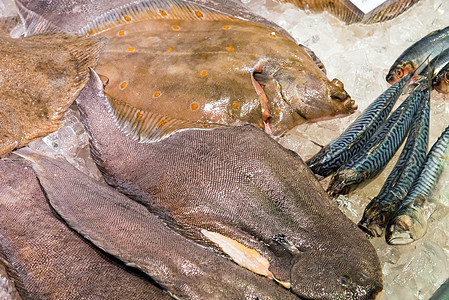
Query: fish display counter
[(360, 56)]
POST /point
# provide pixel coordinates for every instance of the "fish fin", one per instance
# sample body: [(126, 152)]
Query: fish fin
[(147, 127), (315, 58), (153, 10), (18, 290), (33, 22)]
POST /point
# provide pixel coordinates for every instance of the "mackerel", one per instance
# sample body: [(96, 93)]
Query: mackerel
[(410, 221), (381, 209), (428, 47), (352, 140), (441, 80), (371, 160)]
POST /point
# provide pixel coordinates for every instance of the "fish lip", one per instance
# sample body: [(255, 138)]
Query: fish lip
[(372, 228), (399, 238)]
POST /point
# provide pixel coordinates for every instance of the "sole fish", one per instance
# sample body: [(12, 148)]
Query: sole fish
[(238, 192), (381, 148), (410, 220), (353, 139), (380, 210), (128, 231), (46, 259)]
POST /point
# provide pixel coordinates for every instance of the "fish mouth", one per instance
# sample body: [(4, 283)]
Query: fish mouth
[(399, 237), (372, 228), (348, 105)]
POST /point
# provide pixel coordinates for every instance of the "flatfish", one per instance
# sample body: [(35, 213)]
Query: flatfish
[(188, 65), (40, 77), (127, 230), (238, 192), (46, 259)]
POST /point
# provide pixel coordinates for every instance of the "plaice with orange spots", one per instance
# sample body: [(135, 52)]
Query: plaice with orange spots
[(193, 51), (34, 96)]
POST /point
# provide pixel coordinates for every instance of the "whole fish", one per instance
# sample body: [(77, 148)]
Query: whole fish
[(128, 231), (238, 192), (353, 139), (380, 210), (40, 78), (371, 160), (46, 259), (427, 47), (159, 59), (410, 220), (349, 13)]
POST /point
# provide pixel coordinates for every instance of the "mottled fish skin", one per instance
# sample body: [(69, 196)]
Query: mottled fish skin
[(48, 260), (352, 140), (380, 210), (442, 293), (127, 230), (240, 183), (428, 47), (40, 78), (441, 80), (410, 220), (371, 160)]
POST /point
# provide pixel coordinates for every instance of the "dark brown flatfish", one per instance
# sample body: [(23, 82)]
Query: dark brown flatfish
[(239, 192), (350, 13), (127, 230), (46, 259), (40, 77)]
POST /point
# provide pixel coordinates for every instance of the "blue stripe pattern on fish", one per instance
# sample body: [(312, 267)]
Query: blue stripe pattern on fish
[(380, 210), (427, 47), (370, 161), (410, 221), (353, 139)]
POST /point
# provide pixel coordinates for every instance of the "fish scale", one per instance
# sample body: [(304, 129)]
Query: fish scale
[(379, 150), (410, 221), (353, 139), (381, 208)]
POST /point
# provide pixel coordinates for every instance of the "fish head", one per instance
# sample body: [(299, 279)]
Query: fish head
[(375, 217), (334, 274), (344, 181), (400, 70), (441, 82), (312, 95)]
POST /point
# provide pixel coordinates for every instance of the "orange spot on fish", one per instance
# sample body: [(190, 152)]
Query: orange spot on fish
[(229, 48), (39, 28), (162, 13), (273, 35), (226, 27), (194, 106), (123, 84), (139, 115), (277, 111), (161, 123), (131, 49), (175, 27), (170, 48), (157, 94), (121, 32), (203, 73), (90, 32), (115, 101), (235, 105), (127, 19), (205, 125), (198, 14)]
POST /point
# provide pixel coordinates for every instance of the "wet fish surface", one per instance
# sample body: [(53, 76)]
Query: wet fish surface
[(410, 220), (441, 80), (189, 66), (381, 148), (127, 230), (48, 260), (40, 78), (238, 192), (428, 47), (381, 208), (353, 139), (8, 289)]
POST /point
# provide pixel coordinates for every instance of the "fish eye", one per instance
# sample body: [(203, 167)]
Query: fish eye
[(446, 76), (399, 73), (344, 280)]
